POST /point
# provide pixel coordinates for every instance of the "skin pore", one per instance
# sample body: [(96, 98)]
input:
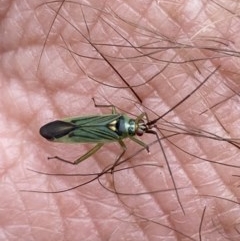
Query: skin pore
[(175, 45)]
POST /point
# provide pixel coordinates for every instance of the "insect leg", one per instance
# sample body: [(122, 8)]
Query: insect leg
[(101, 106), (82, 158), (140, 117), (140, 143), (121, 143)]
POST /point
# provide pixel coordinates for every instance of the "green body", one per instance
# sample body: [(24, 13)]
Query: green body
[(98, 129), (90, 129)]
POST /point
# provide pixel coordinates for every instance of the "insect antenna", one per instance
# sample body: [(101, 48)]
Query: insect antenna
[(150, 123), (168, 166)]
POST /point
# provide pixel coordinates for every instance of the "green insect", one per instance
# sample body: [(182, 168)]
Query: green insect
[(98, 129)]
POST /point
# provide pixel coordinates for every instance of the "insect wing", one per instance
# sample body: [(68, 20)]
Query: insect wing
[(88, 129), (56, 130)]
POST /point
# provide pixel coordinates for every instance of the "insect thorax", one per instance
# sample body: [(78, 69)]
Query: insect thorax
[(123, 126)]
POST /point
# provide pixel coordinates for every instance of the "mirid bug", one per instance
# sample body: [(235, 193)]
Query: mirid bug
[(98, 129)]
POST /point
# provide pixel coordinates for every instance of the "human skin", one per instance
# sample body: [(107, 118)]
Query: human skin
[(40, 86)]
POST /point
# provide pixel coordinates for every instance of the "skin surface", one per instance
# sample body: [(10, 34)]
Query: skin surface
[(42, 83)]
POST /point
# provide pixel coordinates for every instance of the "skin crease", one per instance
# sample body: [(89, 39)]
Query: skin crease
[(33, 95)]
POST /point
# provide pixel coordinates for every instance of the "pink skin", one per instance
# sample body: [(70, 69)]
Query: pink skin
[(32, 96)]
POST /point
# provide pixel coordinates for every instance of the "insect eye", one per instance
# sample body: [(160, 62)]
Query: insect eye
[(140, 132), (131, 131), (141, 128)]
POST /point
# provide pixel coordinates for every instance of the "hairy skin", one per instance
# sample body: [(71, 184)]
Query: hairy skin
[(34, 93)]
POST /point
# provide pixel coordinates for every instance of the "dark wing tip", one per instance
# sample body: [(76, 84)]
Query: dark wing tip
[(56, 129)]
